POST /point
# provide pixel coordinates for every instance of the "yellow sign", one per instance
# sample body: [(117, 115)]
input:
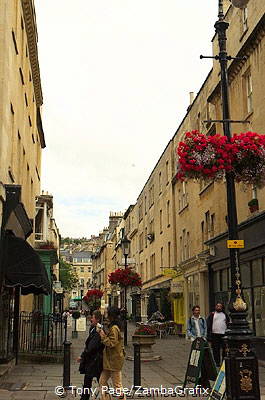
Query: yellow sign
[(170, 272), (235, 244)]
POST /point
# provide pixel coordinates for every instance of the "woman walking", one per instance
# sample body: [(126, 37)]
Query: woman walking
[(113, 354)]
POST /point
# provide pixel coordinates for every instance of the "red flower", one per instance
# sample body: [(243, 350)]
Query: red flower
[(125, 277)]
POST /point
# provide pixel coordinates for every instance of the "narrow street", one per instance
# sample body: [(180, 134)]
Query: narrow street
[(38, 381)]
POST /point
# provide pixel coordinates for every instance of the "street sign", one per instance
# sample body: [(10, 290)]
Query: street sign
[(235, 244), (218, 390)]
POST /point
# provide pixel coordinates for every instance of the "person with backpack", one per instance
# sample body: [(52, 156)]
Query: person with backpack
[(196, 325)]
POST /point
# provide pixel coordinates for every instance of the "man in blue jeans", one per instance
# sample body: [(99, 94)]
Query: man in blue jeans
[(196, 325)]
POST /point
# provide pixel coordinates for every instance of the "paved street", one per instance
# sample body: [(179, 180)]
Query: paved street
[(37, 382)]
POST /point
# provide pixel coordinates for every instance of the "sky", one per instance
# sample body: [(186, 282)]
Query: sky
[(116, 77)]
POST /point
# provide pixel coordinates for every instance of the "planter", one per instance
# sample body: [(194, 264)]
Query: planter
[(146, 342), (253, 208)]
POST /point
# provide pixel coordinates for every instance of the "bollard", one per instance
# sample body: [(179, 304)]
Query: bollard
[(137, 365), (66, 364), (65, 328)]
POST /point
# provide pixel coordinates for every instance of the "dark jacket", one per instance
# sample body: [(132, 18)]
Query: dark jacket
[(209, 322), (92, 357)]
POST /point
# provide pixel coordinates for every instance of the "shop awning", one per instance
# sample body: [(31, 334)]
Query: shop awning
[(23, 267)]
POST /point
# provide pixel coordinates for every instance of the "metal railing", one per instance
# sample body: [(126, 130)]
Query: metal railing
[(41, 333)]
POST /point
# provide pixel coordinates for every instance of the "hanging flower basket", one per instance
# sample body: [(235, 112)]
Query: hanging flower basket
[(92, 298), (249, 158), (125, 277), (203, 157), (210, 157)]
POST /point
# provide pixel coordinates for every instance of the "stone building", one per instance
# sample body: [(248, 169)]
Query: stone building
[(182, 226), (21, 143)]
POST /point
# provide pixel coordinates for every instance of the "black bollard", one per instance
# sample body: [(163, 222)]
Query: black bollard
[(137, 365), (65, 328), (66, 364)]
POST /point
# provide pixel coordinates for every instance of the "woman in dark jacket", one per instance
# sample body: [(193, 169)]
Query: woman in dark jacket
[(91, 360)]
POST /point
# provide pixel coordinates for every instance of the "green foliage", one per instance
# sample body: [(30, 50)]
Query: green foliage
[(69, 240), (253, 202), (67, 276)]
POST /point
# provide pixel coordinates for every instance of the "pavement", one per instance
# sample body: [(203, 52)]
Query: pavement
[(38, 381)]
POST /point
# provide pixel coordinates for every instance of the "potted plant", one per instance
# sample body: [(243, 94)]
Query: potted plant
[(253, 205), (145, 336)]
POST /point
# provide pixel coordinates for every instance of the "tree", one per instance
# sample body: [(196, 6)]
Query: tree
[(67, 276)]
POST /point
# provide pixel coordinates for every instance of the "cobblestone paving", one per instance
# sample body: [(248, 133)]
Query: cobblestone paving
[(38, 381)]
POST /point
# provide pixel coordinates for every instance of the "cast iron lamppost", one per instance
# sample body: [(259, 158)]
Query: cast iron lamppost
[(125, 245), (242, 379)]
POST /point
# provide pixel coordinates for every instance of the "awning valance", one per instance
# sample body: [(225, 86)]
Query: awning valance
[(23, 267)]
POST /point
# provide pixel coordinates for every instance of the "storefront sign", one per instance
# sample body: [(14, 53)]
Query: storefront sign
[(235, 244), (170, 272), (177, 287)]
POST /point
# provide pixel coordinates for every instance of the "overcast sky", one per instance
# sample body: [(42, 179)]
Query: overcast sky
[(116, 77)]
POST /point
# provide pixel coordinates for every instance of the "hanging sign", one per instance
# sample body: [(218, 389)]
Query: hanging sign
[(170, 272), (235, 244)]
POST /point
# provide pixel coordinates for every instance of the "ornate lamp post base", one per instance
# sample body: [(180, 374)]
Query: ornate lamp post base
[(241, 369)]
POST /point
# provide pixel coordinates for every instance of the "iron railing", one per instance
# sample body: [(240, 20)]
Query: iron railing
[(41, 333)]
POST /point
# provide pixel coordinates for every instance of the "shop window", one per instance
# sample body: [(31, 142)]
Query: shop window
[(216, 281), (257, 275), (259, 306), (224, 280), (245, 275)]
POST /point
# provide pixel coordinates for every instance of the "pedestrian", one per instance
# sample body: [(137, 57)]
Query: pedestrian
[(196, 325), (91, 360), (113, 354), (217, 322)]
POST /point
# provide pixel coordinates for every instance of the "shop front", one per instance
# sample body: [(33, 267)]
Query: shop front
[(177, 299), (252, 267)]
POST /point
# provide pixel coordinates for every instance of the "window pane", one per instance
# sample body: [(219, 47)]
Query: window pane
[(259, 304), (257, 277), (216, 281), (245, 274), (224, 280)]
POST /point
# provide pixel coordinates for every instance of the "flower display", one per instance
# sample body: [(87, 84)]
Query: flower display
[(125, 277), (249, 158), (92, 298), (202, 157), (145, 330), (210, 157)]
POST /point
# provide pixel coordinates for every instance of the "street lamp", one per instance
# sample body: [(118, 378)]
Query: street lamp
[(242, 379), (125, 245)]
